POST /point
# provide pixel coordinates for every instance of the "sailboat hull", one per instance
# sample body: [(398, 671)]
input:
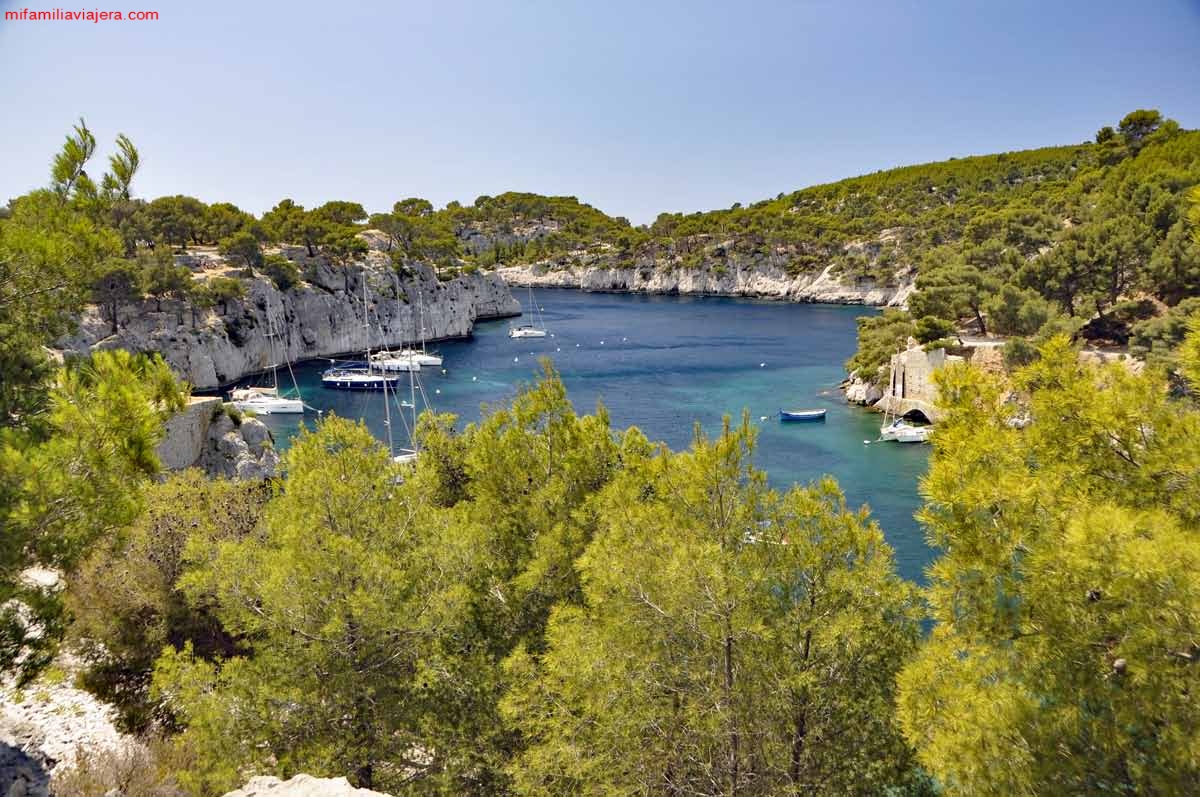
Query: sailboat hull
[(271, 406), (526, 333), (357, 379)]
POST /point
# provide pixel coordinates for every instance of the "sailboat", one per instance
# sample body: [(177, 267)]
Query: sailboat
[(408, 359), (364, 376), (530, 330), (408, 455), (901, 431), (267, 400)]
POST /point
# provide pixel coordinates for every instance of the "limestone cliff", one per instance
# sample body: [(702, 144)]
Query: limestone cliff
[(722, 268), (320, 317), (754, 279)]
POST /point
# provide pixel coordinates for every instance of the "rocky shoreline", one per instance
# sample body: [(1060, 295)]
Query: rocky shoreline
[(319, 317), (750, 280)]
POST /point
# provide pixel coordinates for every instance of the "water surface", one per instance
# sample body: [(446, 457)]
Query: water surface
[(663, 363)]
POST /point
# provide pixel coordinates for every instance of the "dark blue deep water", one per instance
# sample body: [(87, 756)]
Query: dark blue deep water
[(667, 362)]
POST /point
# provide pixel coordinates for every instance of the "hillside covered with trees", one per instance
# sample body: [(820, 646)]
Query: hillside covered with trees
[(1089, 239), (546, 605)]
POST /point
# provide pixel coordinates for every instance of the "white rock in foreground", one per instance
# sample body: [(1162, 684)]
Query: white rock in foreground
[(302, 786)]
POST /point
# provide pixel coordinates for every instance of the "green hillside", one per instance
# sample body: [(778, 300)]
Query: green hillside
[(1090, 239)]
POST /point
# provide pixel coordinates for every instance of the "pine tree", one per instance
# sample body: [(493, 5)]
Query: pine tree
[(1066, 597)]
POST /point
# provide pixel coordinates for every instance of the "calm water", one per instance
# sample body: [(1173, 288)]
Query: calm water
[(662, 363)]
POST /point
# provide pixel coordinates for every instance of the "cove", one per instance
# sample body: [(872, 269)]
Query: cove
[(665, 363)]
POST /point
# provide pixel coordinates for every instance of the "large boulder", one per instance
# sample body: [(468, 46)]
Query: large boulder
[(239, 450), (302, 786)]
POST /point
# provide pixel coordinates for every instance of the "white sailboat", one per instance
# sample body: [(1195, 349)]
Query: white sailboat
[(369, 375), (267, 400), (530, 330), (897, 428), (909, 433), (394, 361), (406, 456), (409, 359), (901, 431)]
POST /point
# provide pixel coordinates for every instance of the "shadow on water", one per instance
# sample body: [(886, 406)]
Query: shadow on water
[(667, 363)]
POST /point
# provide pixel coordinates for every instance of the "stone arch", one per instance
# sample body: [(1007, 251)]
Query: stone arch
[(916, 415)]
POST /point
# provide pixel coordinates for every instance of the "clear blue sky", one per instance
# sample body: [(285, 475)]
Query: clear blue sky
[(634, 107)]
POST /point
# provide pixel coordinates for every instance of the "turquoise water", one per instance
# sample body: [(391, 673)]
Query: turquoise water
[(664, 362)]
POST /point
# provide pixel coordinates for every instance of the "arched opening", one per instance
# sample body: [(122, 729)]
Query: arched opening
[(917, 416)]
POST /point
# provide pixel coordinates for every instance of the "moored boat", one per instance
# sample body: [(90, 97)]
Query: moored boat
[(530, 330), (526, 331), (421, 357), (792, 416), (912, 434), (265, 401), (358, 377), (395, 361)]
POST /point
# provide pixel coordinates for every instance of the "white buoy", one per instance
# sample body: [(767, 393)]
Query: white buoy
[(437, 391), (624, 339), (762, 365), (444, 372), (577, 345), (516, 359), (762, 417), (558, 348), (601, 343)]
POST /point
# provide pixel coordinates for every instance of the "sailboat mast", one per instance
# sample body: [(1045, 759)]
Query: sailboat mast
[(274, 358), (412, 399), (421, 314), (387, 416), (366, 320)]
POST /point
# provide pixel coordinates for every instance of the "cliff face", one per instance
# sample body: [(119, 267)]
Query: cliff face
[(734, 277), (320, 317), (705, 264)]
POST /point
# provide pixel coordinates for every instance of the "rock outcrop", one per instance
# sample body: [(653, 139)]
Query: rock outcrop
[(758, 276), (302, 786), (208, 434), (859, 391), (239, 449), (42, 728), (322, 316)]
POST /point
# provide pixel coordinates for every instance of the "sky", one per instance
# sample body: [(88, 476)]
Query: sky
[(634, 107)]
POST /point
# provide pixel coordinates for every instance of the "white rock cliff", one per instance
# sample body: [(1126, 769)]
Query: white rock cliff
[(757, 277), (320, 317)]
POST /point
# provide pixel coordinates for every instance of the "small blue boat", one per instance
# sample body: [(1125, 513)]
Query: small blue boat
[(801, 415)]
